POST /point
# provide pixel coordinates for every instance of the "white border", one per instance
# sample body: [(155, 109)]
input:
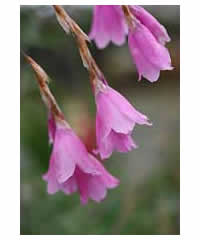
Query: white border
[(10, 121), (102, 2), (10, 115)]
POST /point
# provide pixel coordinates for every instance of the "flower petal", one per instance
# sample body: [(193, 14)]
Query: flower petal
[(70, 186), (126, 108), (110, 116), (149, 56), (158, 30), (96, 189), (52, 184), (65, 159), (109, 180), (108, 25)]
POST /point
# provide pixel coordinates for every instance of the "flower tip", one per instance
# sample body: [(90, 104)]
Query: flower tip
[(101, 45), (83, 200), (115, 183), (171, 68), (44, 177), (135, 146), (153, 79), (164, 40), (51, 192), (139, 77), (149, 123)]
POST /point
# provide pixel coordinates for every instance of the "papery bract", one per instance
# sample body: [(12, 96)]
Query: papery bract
[(115, 120), (72, 168), (158, 30), (108, 25), (148, 54)]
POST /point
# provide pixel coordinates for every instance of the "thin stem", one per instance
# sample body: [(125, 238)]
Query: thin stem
[(47, 96), (69, 25), (128, 16)]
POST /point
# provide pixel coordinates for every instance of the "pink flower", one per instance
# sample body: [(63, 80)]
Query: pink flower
[(115, 121), (72, 168), (148, 54), (146, 37), (108, 25), (158, 30)]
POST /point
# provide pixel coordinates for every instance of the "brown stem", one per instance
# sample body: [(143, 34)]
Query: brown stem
[(81, 38), (47, 96), (128, 16)]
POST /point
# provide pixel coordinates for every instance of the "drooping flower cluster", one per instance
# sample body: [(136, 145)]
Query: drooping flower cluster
[(116, 117), (72, 168), (146, 36)]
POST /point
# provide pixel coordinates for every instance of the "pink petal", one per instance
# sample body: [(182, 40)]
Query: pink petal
[(149, 56), (70, 186), (97, 190), (52, 184), (82, 181), (102, 129), (108, 25), (126, 108), (109, 180), (118, 26), (121, 142), (65, 159), (158, 30), (115, 141), (109, 114), (144, 67)]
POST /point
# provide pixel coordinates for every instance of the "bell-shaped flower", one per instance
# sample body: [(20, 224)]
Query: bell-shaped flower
[(115, 121), (149, 56), (108, 25), (73, 169)]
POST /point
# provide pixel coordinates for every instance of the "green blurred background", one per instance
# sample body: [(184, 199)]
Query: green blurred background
[(147, 200)]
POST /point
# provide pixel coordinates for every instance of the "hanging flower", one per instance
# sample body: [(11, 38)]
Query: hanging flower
[(146, 36), (150, 22), (115, 121), (149, 56), (108, 25), (116, 117), (73, 169)]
